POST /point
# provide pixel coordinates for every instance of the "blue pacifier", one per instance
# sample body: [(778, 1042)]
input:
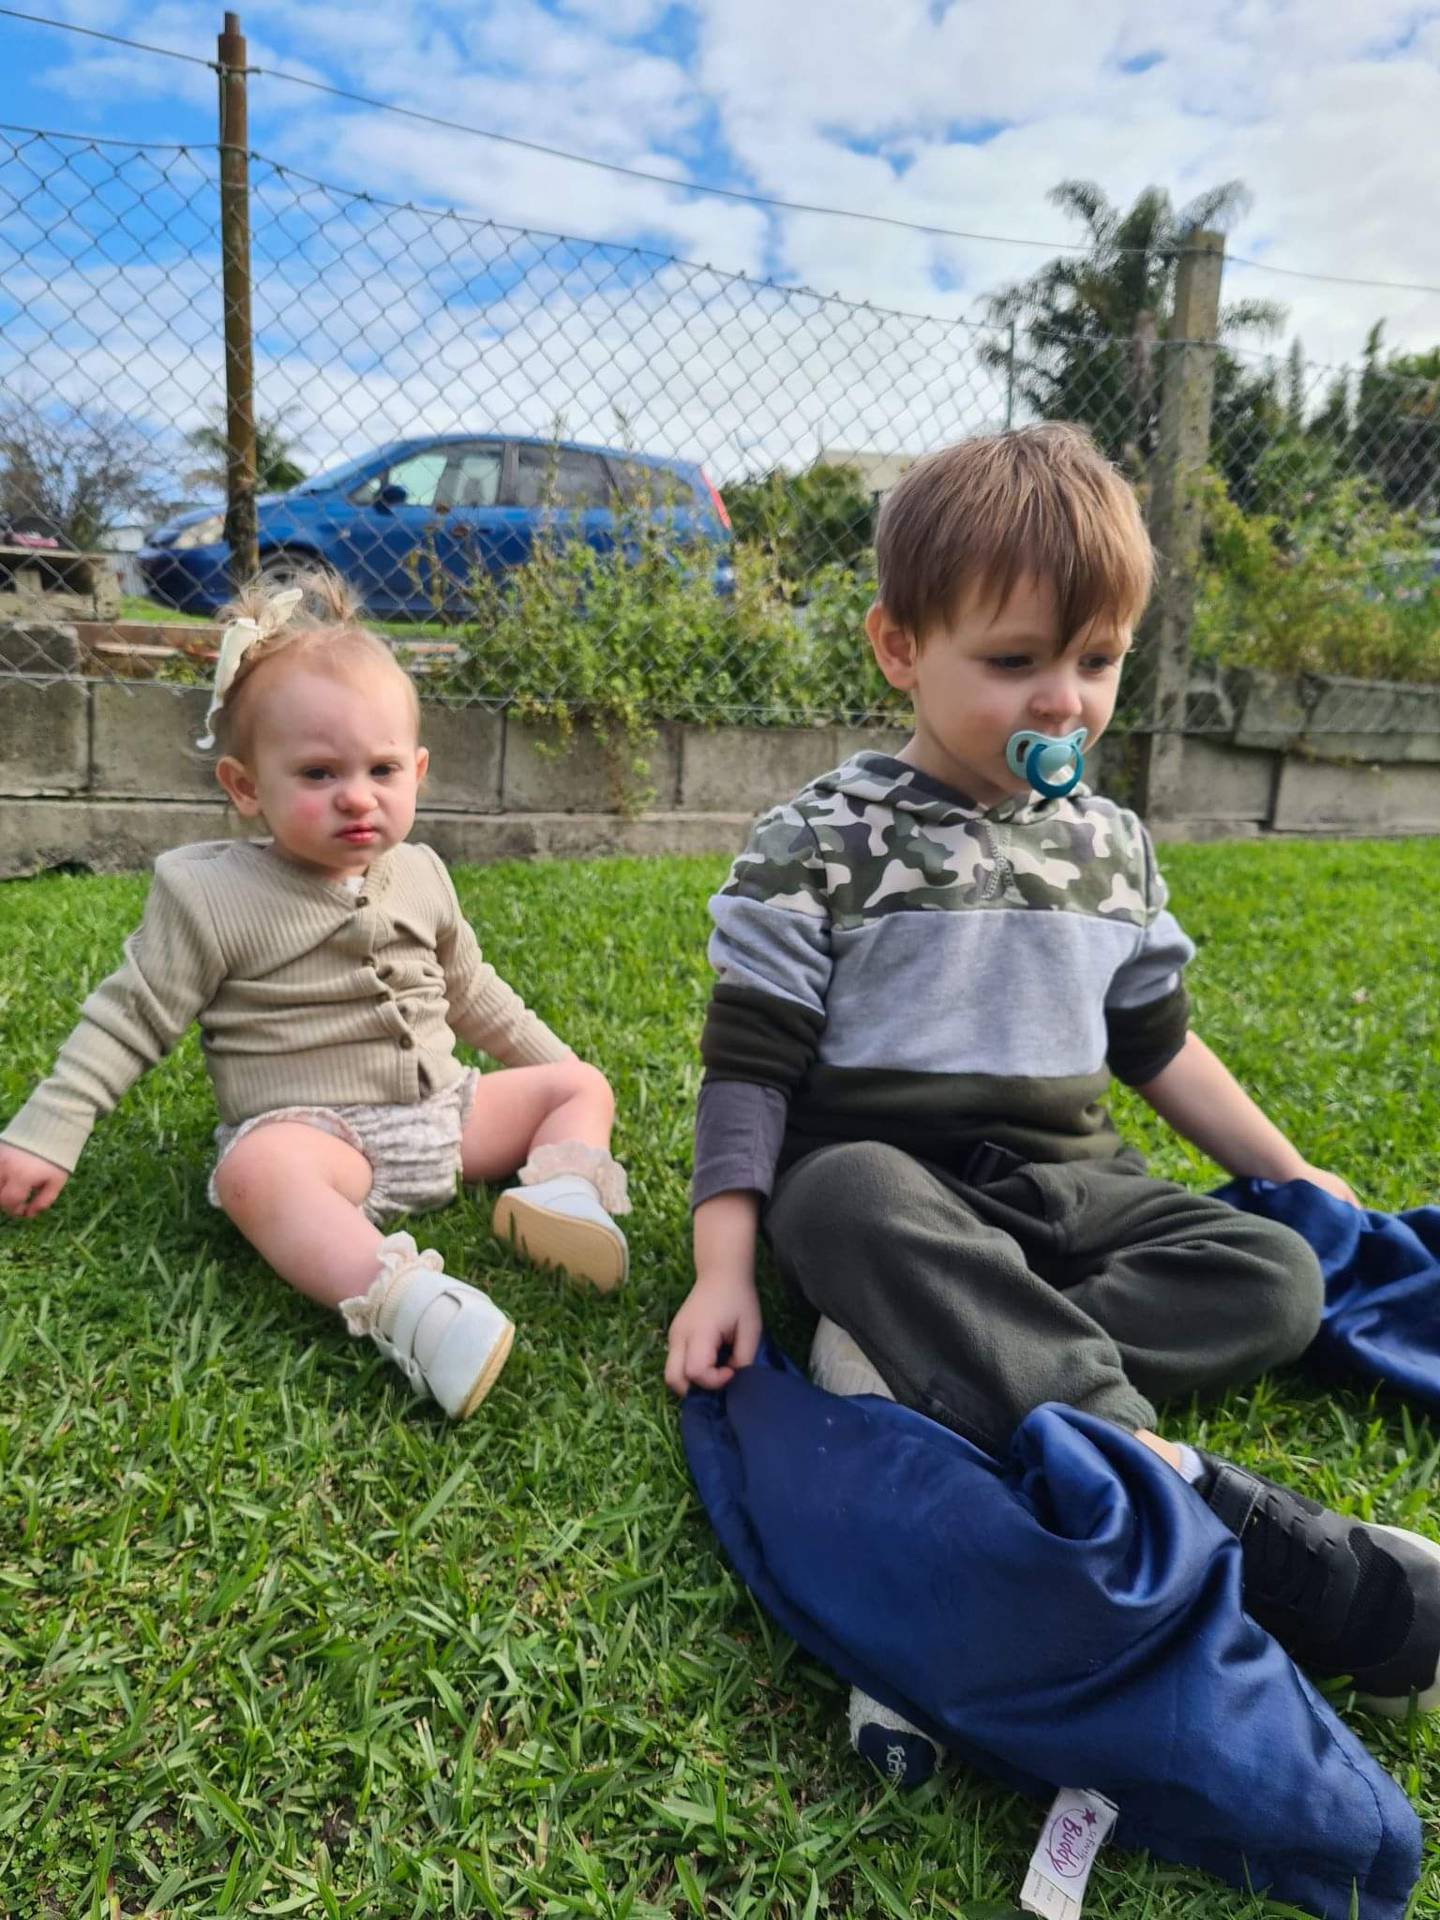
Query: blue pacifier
[(1053, 767)]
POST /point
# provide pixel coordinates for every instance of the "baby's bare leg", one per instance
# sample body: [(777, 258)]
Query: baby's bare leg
[(552, 1124), (522, 1108), (295, 1193)]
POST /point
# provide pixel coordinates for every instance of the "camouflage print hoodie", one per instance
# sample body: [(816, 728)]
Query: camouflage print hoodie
[(898, 964)]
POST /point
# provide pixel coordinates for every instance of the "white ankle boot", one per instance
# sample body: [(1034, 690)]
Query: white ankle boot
[(560, 1214), (448, 1338)]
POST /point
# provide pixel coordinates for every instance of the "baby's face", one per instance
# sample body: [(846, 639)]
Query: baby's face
[(336, 765)]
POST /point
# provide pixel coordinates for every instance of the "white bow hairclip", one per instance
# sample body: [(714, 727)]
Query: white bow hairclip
[(235, 643)]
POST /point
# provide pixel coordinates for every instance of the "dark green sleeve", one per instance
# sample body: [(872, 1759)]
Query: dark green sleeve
[(1142, 1041), (759, 1037)]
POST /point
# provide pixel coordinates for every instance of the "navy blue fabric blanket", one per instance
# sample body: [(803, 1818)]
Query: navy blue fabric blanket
[(1382, 1283), (1067, 1617)]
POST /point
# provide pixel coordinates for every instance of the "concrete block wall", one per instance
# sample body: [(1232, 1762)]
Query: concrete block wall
[(106, 775)]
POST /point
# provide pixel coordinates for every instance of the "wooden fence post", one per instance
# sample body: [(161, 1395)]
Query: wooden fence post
[(240, 480), (1181, 452)]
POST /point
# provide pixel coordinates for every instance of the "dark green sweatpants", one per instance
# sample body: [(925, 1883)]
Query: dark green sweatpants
[(1086, 1282)]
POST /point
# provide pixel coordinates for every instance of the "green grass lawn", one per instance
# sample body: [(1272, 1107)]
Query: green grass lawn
[(134, 607), (275, 1640)]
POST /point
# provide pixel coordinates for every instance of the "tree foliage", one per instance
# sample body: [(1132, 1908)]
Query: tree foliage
[(1089, 328), (1323, 576), (275, 469), (804, 520), (1396, 435), (75, 473)]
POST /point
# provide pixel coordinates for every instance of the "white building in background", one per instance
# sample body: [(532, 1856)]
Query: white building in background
[(878, 471), (120, 545)]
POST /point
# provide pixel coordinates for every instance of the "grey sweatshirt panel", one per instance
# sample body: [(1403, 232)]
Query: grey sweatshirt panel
[(773, 948), (954, 992), (1155, 968), (1009, 992)]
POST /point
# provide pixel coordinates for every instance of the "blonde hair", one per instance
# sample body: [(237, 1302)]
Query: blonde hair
[(978, 517), (324, 629)]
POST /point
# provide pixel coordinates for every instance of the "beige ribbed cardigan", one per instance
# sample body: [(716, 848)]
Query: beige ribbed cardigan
[(306, 994)]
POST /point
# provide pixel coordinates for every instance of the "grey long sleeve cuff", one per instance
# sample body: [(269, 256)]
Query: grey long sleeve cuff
[(739, 1128)]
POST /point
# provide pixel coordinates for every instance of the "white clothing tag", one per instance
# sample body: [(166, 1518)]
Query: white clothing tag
[(1075, 1827)]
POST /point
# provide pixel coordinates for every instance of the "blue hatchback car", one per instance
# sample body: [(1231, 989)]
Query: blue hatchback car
[(409, 524)]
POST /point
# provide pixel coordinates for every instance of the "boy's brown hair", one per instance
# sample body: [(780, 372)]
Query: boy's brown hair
[(983, 514)]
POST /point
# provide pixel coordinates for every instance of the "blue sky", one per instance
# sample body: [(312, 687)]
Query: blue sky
[(960, 114)]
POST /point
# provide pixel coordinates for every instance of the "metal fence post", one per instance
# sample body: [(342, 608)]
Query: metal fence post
[(1182, 449), (240, 479)]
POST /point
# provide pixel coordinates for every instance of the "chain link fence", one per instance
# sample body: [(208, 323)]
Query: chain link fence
[(586, 478)]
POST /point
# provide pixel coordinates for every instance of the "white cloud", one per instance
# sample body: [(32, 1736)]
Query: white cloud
[(900, 69), (621, 18), (1336, 147), (529, 190)]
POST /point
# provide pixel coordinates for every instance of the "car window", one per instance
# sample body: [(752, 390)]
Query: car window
[(474, 478), (545, 476), (337, 479), (643, 484), (419, 475)]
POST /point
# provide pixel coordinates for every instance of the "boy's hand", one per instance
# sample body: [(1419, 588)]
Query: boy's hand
[(721, 1311), (28, 1184), (1328, 1183), (1201, 1098)]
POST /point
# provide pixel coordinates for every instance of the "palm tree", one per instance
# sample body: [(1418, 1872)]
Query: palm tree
[(275, 471), (1086, 327)]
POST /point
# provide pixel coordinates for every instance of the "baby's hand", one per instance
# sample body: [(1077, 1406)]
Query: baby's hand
[(721, 1311), (28, 1184)]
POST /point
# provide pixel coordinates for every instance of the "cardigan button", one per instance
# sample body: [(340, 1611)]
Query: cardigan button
[(407, 1041)]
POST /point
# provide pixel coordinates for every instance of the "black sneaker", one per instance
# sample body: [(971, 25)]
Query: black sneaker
[(1340, 1596), (906, 1756)]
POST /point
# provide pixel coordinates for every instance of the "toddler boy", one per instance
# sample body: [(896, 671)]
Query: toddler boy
[(927, 974)]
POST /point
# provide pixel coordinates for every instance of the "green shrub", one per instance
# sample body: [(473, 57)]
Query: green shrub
[(808, 521), (1331, 581), (619, 639), (846, 685)]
